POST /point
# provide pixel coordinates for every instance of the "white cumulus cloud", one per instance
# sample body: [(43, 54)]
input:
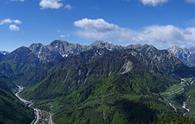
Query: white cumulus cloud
[(13, 24), (51, 4), (18, 22), (8, 21), (153, 2), (95, 24), (14, 27), (5, 21), (162, 36)]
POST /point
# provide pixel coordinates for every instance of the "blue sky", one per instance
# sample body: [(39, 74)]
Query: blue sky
[(162, 23)]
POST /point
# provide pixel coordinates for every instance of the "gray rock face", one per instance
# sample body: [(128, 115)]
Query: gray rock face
[(66, 48), (127, 67), (155, 59), (61, 49), (104, 45), (186, 55), (55, 51), (44, 53)]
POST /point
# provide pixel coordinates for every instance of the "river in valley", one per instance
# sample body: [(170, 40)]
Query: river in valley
[(39, 118)]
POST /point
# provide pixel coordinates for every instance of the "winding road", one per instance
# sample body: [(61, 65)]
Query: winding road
[(38, 112), (29, 104)]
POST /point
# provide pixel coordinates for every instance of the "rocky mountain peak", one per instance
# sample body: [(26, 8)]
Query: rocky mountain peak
[(184, 54), (104, 45), (58, 43), (56, 50), (65, 48), (21, 49), (22, 54), (35, 46), (175, 49), (149, 48)]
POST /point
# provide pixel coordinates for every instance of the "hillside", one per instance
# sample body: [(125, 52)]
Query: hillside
[(102, 82), (99, 86), (12, 111)]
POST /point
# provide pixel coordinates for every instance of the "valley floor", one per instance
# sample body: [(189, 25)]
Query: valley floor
[(41, 116)]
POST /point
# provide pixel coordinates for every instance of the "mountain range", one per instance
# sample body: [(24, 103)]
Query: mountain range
[(104, 83), (61, 49), (186, 55)]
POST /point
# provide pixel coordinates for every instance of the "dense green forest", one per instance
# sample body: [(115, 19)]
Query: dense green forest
[(12, 110)]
